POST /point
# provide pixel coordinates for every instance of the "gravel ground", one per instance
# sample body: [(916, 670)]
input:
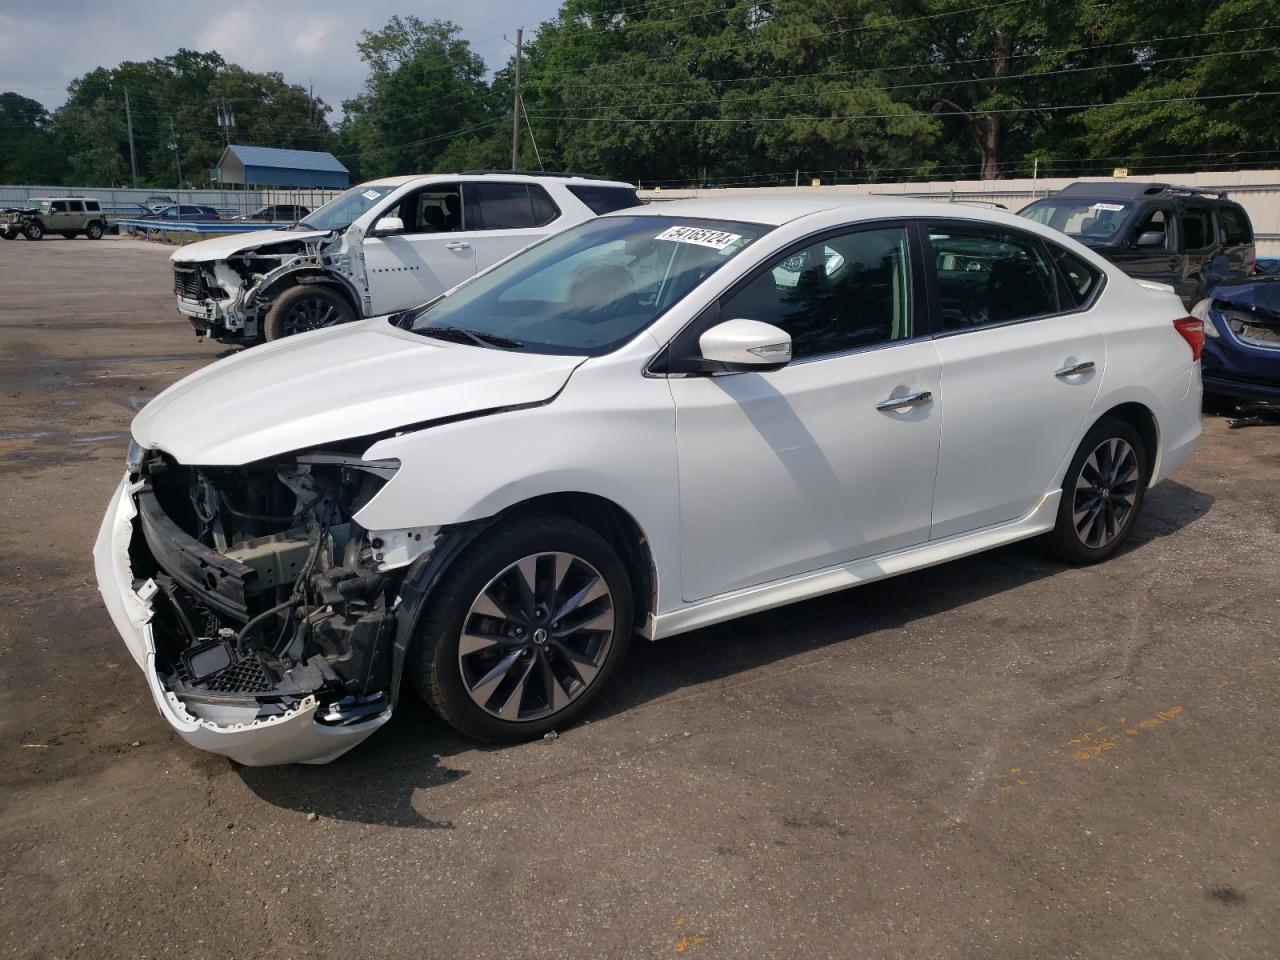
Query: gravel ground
[(1000, 757)]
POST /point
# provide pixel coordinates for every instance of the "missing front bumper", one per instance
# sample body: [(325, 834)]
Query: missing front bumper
[(306, 732)]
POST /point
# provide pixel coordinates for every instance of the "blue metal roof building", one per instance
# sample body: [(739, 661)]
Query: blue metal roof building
[(271, 167)]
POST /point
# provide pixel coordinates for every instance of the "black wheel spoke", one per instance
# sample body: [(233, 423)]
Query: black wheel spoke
[(1105, 492), (536, 637)]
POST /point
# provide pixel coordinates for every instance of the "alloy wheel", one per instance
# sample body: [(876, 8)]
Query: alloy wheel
[(310, 313), (536, 637), (1106, 493)]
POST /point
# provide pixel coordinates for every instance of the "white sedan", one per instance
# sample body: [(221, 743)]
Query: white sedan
[(657, 420)]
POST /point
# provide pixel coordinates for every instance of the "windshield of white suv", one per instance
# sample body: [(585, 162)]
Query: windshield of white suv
[(588, 290), (343, 210), (1096, 220)]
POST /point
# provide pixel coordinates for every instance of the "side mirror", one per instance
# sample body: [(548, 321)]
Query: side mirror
[(1150, 238), (389, 225), (737, 346)]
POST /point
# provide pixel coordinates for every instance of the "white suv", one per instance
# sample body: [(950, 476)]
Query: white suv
[(657, 420), (377, 248)]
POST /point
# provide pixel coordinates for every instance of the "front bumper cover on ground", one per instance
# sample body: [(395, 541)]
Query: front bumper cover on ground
[(293, 737)]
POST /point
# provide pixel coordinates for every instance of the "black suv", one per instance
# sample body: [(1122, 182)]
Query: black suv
[(1191, 239)]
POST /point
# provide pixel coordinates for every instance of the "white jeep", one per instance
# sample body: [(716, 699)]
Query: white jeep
[(378, 248)]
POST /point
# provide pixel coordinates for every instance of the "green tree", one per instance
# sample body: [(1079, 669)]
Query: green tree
[(425, 88), (25, 140)]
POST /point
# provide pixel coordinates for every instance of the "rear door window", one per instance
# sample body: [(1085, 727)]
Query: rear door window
[(509, 206), (77, 206), (989, 275), (1197, 228)]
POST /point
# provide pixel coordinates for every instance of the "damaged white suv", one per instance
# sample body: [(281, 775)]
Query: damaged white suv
[(377, 248), (656, 420)]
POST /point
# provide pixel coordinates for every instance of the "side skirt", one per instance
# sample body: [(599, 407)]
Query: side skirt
[(830, 579)]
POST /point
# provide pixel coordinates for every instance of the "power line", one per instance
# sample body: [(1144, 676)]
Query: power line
[(941, 83), (769, 78), (1047, 108)]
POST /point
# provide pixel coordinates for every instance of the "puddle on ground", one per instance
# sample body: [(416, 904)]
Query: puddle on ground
[(98, 437), (24, 434)]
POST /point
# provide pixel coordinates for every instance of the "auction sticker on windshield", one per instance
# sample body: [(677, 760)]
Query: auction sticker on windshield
[(1108, 206), (716, 239), (371, 194)]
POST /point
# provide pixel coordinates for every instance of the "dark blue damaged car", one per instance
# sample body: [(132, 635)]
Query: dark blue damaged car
[(1241, 357)]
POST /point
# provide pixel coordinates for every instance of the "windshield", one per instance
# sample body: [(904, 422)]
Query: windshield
[(1097, 220), (343, 210), (590, 289)]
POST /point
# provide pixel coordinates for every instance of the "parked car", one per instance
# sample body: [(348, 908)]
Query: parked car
[(1242, 345), (66, 216), (657, 420), (158, 201), (278, 213), (177, 213), (1191, 239), (377, 248)]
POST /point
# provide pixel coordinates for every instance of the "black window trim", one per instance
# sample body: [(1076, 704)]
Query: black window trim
[(930, 268), (659, 364)]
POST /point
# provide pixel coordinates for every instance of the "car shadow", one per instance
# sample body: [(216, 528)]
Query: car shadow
[(377, 781)]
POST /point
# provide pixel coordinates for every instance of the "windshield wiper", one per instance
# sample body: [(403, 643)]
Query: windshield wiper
[(477, 337)]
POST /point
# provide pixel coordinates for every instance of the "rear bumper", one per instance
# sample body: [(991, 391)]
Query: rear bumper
[(1179, 428), (293, 737)]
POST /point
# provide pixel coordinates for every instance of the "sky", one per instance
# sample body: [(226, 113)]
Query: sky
[(44, 44)]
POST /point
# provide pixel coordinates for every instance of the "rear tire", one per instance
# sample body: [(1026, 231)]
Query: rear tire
[(1102, 494), (33, 230), (303, 308), (534, 659), (94, 231)]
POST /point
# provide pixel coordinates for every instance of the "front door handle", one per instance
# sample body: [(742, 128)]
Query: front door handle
[(1071, 369), (908, 400), (458, 245)]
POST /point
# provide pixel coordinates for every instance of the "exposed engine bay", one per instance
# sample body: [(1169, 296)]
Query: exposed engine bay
[(268, 592), (228, 299)]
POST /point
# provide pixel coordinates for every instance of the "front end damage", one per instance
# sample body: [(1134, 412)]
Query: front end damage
[(264, 617), (227, 299)]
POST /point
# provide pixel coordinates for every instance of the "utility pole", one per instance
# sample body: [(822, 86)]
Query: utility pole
[(128, 120), (226, 120), (515, 106), (173, 145)]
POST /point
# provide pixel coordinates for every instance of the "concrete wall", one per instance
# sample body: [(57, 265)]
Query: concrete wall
[(1258, 191)]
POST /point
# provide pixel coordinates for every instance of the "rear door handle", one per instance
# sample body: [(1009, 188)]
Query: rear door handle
[(908, 400), (458, 245), (1071, 369)]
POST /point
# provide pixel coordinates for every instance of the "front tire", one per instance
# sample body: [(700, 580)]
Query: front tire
[(33, 231), (1102, 494), (524, 630), (303, 308)]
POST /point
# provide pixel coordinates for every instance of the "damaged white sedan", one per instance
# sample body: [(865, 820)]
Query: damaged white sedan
[(657, 420)]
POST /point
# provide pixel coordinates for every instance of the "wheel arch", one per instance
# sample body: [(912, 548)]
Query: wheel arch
[(310, 275), (1143, 420), (617, 526)]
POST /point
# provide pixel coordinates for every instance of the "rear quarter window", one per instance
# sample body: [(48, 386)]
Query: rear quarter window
[(601, 200), (1236, 228), (1081, 279)]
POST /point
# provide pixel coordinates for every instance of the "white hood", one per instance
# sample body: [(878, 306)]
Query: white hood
[(219, 248), (331, 385)]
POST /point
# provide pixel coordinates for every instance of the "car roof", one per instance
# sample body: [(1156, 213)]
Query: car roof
[(1132, 190), (429, 178), (776, 211)]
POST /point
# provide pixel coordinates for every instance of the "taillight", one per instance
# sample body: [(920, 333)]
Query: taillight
[(1192, 331)]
